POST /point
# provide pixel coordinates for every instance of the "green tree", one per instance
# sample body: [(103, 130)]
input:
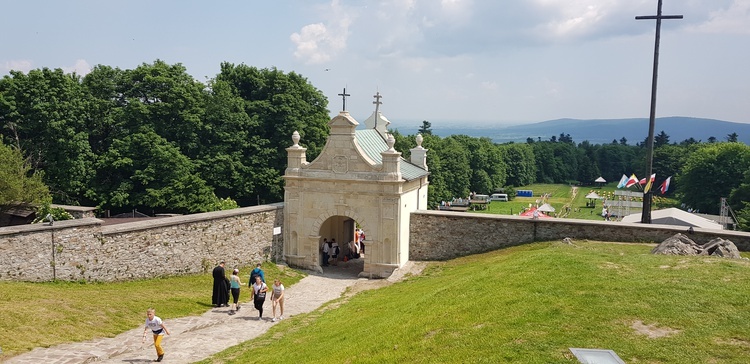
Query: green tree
[(710, 173), (661, 139), (614, 160), (732, 138), (166, 99), (44, 113), (233, 149), (426, 128), (521, 164), (19, 184), (282, 103), (455, 165), (145, 171)]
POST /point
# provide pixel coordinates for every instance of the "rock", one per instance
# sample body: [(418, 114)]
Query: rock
[(680, 244), (719, 247), (677, 244)]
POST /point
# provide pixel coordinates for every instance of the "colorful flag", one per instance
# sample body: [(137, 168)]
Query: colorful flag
[(623, 181), (650, 181), (665, 185), (631, 181), (642, 181)]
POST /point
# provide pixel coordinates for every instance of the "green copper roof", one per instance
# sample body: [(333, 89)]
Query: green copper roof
[(373, 144)]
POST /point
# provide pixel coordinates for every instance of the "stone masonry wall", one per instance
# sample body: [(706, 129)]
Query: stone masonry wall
[(439, 235), (83, 249)]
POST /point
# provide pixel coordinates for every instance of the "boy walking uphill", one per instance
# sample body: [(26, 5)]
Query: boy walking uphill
[(157, 327)]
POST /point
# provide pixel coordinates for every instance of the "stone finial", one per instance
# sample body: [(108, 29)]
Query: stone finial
[(391, 142), (419, 140), (295, 138)]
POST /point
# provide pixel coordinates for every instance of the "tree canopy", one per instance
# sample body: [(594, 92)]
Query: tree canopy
[(154, 138), (19, 185)]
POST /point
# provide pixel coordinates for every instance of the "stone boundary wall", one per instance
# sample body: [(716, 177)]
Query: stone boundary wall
[(84, 250), (439, 235)]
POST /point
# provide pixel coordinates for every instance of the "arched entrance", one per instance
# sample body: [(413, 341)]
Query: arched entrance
[(340, 231)]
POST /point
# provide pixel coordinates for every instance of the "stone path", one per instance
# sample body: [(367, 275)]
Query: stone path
[(197, 337)]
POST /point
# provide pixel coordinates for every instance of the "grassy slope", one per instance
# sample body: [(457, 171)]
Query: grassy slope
[(45, 314), (529, 304)]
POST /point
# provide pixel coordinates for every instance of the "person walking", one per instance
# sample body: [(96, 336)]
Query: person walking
[(234, 286), (333, 250), (220, 296), (277, 299), (259, 296), (156, 325), (326, 252), (257, 272)]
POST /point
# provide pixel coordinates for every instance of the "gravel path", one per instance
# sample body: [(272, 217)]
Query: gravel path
[(195, 338)]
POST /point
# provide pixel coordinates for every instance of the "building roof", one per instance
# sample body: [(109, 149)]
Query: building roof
[(674, 216), (372, 143)]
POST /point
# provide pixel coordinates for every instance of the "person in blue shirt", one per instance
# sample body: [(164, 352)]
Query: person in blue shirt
[(257, 272)]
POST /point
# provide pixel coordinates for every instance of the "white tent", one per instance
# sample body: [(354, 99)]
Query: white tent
[(674, 216), (546, 208), (600, 180), (593, 195)]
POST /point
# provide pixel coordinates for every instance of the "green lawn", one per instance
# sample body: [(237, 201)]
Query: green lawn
[(530, 304), (560, 196), (45, 314)]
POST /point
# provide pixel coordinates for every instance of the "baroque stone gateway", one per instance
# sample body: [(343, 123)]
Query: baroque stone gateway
[(359, 181)]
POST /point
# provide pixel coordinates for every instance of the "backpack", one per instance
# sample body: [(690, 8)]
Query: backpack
[(253, 274)]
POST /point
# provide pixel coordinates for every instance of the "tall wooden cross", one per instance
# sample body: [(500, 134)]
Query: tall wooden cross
[(343, 96), (646, 213), (377, 101)]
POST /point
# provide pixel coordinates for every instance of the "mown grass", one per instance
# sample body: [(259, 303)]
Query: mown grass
[(529, 304), (560, 195), (45, 314)]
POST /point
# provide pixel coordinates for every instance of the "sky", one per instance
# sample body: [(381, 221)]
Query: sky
[(467, 62)]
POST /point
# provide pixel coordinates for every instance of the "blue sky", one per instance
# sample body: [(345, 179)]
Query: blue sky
[(495, 62)]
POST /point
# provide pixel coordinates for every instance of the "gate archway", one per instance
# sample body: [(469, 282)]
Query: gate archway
[(358, 178)]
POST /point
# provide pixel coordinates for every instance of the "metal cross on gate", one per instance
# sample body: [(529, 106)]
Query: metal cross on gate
[(377, 101), (343, 96), (646, 214)]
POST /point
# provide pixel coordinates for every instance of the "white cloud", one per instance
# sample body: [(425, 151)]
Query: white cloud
[(23, 65), (489, 85), (319, 42), (81, 68), (733, 20)]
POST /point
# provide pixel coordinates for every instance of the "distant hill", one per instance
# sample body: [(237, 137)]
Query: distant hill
[(602, 131)]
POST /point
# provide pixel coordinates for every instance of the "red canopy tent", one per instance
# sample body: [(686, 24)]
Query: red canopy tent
[(530, 213)]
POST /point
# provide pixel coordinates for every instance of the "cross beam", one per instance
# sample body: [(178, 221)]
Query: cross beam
[(343, 97), (377, 101), (646, 213)]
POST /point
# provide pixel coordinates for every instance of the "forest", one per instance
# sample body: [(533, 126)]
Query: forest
[(155, 139)]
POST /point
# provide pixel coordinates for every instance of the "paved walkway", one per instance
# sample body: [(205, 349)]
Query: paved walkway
[(198, 337)]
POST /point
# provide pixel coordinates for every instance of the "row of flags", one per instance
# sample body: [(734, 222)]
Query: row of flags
[(627, 182)]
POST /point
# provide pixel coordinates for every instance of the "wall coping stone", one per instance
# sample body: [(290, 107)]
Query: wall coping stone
[(676, 229), (58, 225), (186, 219)]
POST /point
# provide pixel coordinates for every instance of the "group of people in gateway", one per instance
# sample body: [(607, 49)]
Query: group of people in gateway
[(331, 250)]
